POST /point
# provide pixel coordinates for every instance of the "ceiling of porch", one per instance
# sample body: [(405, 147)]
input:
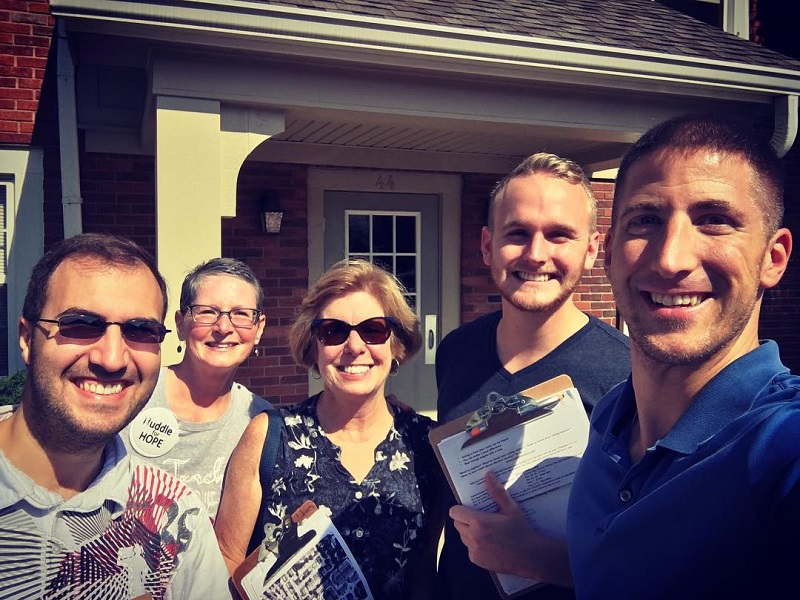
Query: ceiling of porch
[(480, 147)]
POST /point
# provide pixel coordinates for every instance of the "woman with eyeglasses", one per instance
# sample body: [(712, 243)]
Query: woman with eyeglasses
[(197, 412), (347, 448)]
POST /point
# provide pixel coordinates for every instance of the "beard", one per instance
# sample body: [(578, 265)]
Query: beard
[(694, 347), (54, 425), (537, 302)]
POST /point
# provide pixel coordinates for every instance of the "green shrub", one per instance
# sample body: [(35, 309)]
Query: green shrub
[(11, 387)]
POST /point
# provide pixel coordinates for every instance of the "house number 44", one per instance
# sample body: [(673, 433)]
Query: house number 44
[(384, 182)]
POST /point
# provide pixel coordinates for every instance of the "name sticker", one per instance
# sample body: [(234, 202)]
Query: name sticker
[(154, 432)]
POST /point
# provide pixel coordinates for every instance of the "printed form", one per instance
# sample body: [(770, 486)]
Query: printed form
[(534, 459)]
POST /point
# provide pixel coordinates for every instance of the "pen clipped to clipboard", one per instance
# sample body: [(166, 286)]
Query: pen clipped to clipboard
[(532, 441)]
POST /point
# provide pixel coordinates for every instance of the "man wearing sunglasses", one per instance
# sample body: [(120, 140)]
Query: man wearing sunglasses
[(70, 497), (540, 236)]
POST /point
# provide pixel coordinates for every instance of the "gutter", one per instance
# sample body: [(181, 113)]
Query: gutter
[(785, 132), (68, 137)]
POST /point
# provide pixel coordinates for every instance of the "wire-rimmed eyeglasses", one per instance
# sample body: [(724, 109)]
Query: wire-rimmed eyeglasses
[(205, 314)]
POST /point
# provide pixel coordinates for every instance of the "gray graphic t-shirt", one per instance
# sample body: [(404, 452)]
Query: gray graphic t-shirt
[(202, 450)]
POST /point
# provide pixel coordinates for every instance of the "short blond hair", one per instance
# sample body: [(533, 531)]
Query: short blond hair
[(546, 163)]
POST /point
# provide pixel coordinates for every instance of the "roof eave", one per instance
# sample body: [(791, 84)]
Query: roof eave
[(301, 32)]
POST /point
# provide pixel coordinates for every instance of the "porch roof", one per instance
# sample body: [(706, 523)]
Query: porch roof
[(485, 77), (631, 24)]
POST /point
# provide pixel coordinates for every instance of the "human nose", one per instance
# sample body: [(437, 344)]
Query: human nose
[(224, 323), (354, 344), (537, 248), (675, 253), (111, 351)]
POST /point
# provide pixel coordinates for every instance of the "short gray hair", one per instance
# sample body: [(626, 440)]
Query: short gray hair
[(219, 266)]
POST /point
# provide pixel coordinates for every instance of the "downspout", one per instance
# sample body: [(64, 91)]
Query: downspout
[(785, 124), (68, 137)]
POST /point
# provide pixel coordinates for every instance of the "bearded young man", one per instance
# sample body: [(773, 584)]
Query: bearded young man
[(81, 518), (540, 237), (690, 485)]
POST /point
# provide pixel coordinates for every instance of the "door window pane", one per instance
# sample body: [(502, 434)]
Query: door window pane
[(383, 233), (358, 230), (406, 234), (406, 271), (384, 262)]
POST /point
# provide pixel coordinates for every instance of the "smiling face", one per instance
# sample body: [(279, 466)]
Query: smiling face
[(689, 255), (540, 242), (81, 392), (354, 369), (221, 345)]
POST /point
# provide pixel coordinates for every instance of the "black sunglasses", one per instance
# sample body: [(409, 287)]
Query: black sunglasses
[(332, 332), (90, 327)]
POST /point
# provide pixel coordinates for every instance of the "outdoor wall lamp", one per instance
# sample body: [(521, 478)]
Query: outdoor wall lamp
[(271, 213)]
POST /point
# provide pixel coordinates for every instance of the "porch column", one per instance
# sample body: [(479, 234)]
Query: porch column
[(200, 148)]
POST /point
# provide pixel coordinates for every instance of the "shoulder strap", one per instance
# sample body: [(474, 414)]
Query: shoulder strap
[(269, 454), (270, 450)]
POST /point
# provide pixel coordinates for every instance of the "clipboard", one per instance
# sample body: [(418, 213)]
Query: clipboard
[(310, 560), (468, 447), (255, 565)]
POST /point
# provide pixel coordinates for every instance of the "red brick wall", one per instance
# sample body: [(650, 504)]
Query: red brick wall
[(119, 196), (479, 295), (594, 292), (25, 32), (281, 261), (780, 312)]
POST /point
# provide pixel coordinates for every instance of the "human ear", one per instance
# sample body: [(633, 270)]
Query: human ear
[(607, 244), (486, 246), (25, 338), (179, 324), (592, 250), (776, 258), (260, 325)]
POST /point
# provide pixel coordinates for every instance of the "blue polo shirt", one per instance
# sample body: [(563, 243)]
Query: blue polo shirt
[(712, 510)]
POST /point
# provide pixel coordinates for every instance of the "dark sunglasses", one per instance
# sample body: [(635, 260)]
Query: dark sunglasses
[(332, 332), (89, 327)]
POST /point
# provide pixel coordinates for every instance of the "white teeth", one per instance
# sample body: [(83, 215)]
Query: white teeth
[(677, 300), (100, 389), (355, 369), (539, 277)]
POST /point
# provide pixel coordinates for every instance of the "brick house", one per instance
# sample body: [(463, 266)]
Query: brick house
[(376, 127)]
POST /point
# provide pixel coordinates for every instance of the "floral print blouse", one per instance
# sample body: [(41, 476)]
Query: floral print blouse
[(386, 518)]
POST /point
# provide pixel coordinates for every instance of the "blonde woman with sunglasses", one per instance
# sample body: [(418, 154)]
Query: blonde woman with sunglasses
[(197, 412), (348, 447)]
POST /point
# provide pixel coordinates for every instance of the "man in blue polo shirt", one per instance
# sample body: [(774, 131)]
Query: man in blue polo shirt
[(690, 485)]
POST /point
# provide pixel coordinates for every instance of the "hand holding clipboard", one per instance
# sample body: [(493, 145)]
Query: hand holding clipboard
[(532, 441)]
